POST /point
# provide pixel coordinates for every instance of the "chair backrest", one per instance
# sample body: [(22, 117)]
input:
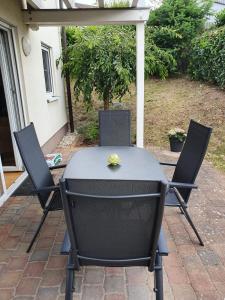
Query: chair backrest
[(34, 161), (119, 226), (192, 155), (114, 128)]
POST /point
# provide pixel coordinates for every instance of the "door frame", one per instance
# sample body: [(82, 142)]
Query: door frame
[(12, 91)]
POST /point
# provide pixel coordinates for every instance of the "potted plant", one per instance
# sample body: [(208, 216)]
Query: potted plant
[(177, 137)]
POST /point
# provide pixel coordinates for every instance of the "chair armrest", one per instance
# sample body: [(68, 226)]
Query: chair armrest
[(48, 188), (162, 244), (182, 185), (57, 167), (167, 164)]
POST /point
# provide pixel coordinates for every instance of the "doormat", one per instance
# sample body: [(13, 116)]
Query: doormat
[(25, 189)]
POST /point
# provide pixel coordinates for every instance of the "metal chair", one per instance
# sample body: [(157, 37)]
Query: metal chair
[(186, 170), (114, 128), (120, 228), (32, 156)]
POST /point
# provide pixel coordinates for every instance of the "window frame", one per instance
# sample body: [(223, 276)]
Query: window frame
[(48, 50)]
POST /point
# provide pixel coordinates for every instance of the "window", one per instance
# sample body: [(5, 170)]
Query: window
[(46, 57)]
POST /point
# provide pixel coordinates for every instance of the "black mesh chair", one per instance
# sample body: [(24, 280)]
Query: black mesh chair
[(114, 128), (121, 228), (186, 169), (32, 156)]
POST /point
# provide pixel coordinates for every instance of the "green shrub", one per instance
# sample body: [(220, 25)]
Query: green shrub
[(176, 23), (208, 57), (220, 18), (159, 62), (89, 132)]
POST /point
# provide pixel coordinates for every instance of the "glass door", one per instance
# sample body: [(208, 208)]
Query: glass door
[(2, 181), (10, 110)]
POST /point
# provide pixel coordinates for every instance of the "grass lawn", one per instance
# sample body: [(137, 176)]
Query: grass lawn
[(172, 103)]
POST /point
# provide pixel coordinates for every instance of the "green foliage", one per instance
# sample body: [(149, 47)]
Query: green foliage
[(158, 62), (175, 23), (89, 132), (101, 59), (208, 57), (117, 4), (177, 133), (220, 18)]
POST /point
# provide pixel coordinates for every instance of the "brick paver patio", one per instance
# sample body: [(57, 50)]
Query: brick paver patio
[(190, 271)]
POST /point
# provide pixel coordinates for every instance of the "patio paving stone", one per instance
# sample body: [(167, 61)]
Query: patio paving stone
[(115, 297), (140, 292), (40, 255), (10, 279), (114, 284), (94, 275), (191, 272), (28, 286), (49, 293), (17, 263), (34, 269), (52, 277), (6, 294), (57, 262), (92, 292)]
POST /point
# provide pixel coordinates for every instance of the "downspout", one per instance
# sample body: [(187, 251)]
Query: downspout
[(67, 76)]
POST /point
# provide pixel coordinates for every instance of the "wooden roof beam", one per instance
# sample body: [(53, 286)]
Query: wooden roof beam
[(134, 3), (84, 5), (85, 16), (101, 3), (69, 3), (36, 4)]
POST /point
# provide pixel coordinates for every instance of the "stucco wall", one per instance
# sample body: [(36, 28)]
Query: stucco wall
[(47, 117)]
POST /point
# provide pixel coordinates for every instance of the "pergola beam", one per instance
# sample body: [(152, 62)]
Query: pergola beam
[(83, 5), (101, 3), (86, 16), (134, 3), (35, 4), (69, 3)]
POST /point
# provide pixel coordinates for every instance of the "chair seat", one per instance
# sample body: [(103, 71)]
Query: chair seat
[(162, 245), (56, 201), (171, 198)]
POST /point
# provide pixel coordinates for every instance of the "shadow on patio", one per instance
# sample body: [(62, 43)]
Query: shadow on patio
[(190, 271)]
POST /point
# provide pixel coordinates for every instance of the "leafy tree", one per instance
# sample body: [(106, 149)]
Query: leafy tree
[(101, 59), (220, 18), (175, 23)]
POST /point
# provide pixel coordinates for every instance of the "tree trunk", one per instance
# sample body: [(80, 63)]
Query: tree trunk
[(106, 104)]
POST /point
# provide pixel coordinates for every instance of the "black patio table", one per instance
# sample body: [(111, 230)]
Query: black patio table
[(136, 164)]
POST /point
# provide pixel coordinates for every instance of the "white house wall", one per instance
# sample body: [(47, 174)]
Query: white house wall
[(48, 118)]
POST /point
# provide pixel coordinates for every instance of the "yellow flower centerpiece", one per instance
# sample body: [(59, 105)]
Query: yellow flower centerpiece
[(113, 159)]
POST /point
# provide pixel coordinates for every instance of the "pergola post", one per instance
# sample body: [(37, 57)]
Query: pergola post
[(140, 58)]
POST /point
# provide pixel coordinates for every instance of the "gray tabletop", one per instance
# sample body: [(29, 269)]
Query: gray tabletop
[(136, 164)]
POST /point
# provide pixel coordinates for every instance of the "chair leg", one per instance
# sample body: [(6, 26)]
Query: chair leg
[(181, 210), (187, 216), (69, 279), (158, 289), (38, 229)]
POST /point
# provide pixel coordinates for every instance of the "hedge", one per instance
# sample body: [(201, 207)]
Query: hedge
[(207, 61)]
